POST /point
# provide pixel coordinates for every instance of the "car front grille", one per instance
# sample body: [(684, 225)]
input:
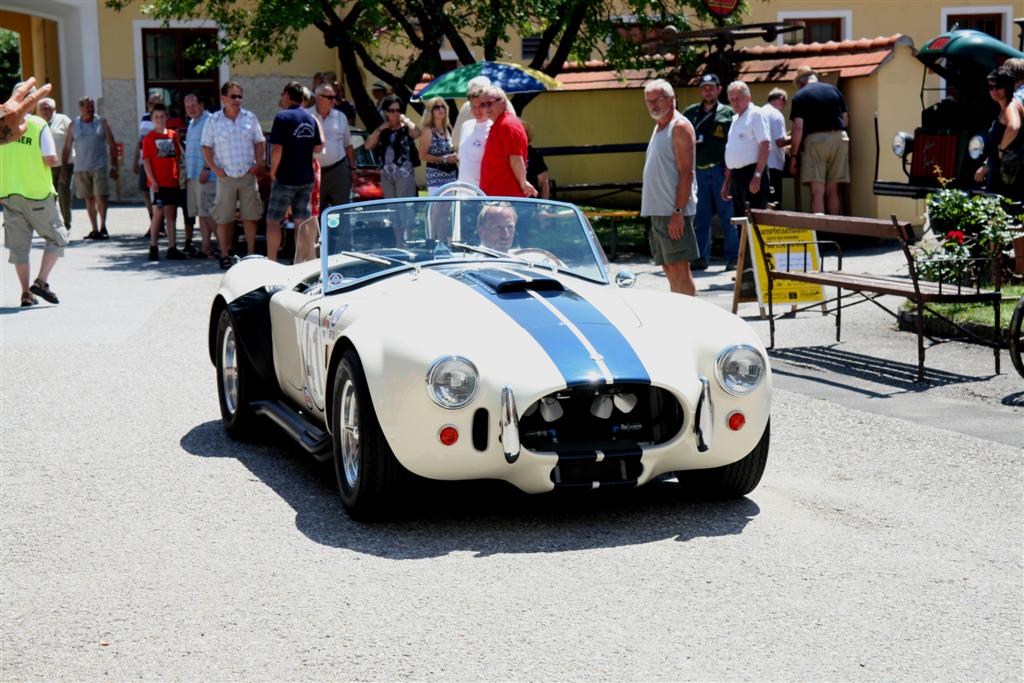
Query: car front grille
[(598, 431)]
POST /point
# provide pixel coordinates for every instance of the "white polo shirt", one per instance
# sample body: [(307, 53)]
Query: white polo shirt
[(746, 134), (337, 137), (777, 129)]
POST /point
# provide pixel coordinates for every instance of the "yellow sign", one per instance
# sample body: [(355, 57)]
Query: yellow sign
[(793, 257)]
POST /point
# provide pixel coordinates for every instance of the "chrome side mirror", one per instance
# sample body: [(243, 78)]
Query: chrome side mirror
[(625, 278)]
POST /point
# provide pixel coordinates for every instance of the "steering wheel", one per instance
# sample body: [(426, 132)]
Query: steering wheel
[(541, 256)]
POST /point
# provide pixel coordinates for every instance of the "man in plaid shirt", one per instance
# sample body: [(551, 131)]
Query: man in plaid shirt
[(233, 146)]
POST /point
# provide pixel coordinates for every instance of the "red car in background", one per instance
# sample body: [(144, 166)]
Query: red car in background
[(365, 186), (366, 174)]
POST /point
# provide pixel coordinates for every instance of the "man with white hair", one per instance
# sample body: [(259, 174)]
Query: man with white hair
[(746, 153), (59, 123), (503, 167), (820, 142), (669, 193), (466, 111)]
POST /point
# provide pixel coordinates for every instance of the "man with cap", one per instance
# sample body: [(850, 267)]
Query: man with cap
[(820, 141), (379, 91), (711, 121)]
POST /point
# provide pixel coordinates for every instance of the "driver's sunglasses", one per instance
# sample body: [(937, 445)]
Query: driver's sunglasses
[(328, 97), (235, 97)]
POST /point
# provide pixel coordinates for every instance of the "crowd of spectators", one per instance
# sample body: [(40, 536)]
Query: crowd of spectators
[(711, 158)]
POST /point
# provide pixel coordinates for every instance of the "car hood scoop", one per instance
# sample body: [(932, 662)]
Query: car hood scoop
[(507, 281)]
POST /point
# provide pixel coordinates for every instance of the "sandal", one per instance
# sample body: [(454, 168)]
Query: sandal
[(28, 300), (225, 262), (93, 235), (42, 289)]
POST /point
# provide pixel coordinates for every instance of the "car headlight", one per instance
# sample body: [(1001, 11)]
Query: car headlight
[(901, 142), (452, 382), (740, 369), (976, 147)]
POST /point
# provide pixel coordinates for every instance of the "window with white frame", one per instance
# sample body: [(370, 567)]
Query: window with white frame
[(819, 26), (995, 20)]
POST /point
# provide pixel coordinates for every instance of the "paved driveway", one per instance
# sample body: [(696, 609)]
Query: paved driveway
[(138, 542)]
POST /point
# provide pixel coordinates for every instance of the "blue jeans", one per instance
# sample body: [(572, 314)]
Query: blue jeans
[(709, 201)]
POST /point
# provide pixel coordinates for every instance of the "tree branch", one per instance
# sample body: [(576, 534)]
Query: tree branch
[(569, 35)]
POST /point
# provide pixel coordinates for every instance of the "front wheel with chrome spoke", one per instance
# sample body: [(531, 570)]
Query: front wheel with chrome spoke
[(236, 381), (371, 480)]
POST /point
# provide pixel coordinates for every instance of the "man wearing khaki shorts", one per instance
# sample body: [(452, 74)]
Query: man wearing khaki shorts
[(233, 146), (91, 138), (819, 140), (30, 205), (669, 193), (202, 184)]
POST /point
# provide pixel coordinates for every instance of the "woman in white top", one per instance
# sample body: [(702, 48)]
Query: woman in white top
[(472, 139)]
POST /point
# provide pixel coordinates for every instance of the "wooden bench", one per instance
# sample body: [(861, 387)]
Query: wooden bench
[(870, 286), (611, 215)]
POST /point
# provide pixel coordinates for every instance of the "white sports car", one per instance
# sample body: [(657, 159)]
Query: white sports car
[(464, 337)]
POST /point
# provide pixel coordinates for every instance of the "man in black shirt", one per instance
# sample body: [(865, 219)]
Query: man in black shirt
[(819, 140)]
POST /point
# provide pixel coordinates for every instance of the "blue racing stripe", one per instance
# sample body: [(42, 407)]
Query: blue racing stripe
[(618, 353), (564, 348)]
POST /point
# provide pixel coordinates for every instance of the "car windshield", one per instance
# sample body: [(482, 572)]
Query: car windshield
[(362, 240)]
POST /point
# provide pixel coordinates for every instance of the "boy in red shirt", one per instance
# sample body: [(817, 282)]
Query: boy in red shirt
[(161, 156)]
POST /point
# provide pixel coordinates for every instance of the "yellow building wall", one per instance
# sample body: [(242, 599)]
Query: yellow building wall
[(40, 50), (117, 49), (919, 19), (22, 25)]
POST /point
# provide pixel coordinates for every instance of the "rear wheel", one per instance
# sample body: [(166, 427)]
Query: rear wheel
[(236, 381), (731, 481), (370, 478), (1017, 337)]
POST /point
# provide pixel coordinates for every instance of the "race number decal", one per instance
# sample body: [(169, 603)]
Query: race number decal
[(313, 358)]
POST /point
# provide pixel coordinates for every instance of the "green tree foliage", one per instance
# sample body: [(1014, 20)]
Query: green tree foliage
[(10, 62), (568, 30)]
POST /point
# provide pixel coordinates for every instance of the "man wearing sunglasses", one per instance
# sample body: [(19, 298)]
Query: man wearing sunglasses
[(337, 158), (503, 168), (233, 146)]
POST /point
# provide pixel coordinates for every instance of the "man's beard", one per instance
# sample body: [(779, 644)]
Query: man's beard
[(656, 114)]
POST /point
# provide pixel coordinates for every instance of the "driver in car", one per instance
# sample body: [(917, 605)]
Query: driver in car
[(496, 226)]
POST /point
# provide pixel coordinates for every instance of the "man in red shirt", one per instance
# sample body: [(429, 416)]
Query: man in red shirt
[(161, 157), (503, 167)]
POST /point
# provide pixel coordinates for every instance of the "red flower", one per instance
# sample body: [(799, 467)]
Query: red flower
[(955, 235)]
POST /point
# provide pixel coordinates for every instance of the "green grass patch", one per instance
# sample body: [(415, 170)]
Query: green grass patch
[(980, 314), (631, 232)]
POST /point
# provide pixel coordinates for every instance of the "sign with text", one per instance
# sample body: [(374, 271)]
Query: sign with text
[(793, 257)]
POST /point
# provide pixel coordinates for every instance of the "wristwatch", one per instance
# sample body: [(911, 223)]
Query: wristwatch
[(757, 174), (677, 210)]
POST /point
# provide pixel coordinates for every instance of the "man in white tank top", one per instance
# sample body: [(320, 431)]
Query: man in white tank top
[(669, 194)]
